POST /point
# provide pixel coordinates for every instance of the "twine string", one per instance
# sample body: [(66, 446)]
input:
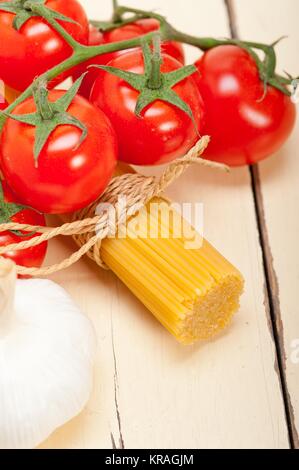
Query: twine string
[(89, 228)]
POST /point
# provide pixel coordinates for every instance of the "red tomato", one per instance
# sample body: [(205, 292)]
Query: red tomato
[(68, 177), (31, 257), (130, 31), (244, 128), (164, 132), (37, 47)]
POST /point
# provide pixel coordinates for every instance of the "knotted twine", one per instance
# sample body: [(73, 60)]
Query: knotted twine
[(89, 229)]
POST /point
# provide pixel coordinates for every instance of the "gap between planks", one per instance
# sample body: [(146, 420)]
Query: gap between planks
[(116, 390), (272, 301)]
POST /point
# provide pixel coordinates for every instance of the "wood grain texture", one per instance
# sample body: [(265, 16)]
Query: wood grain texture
[(278, 189), (149, 391)]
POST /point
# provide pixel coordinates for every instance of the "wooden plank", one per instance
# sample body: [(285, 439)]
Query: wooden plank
[(151, 392), (278, 191)]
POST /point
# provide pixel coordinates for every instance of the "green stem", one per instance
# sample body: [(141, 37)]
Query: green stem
[(154, 81), (80, 55), (141, 13), (203, 44), (285, 80), (266, 67), (43, 105), (40, 10), (206, 43), (171, 33), (116, 17), (110, 26)]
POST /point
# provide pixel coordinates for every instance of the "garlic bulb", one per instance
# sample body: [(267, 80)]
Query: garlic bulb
[(47, 350)]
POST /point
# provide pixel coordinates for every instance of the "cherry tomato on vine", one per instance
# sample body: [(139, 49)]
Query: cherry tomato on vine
[(69, 175), (30, 257), (163, 132), (37, 47), (245, 127), (129, 31)]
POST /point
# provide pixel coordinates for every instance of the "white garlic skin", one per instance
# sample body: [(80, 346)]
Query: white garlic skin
[(46, 365)]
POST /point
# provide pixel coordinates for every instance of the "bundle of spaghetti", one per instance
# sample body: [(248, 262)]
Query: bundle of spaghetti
[(193, 292), (190, 288)]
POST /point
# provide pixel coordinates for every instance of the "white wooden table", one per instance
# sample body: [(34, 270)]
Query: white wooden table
[(241, 390)]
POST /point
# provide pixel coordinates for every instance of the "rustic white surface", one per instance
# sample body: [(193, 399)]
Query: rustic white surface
[(280, 184), (151, 392)]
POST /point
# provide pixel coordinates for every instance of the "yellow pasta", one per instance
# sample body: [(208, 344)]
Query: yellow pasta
[(193, 291)]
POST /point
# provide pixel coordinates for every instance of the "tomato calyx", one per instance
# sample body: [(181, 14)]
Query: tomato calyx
[(154, 85), (25, 9), (50, 115), (10, 209)]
